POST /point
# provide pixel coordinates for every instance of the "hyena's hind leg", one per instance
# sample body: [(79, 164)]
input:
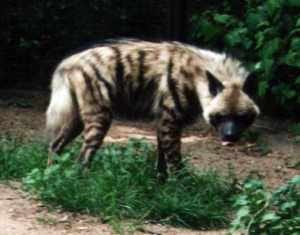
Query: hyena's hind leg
[(96, 126), (94, 109), (63, 122), (65, 135), (169, 143)]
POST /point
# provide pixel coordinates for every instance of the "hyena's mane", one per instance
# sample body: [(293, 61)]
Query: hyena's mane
[(100, 43), (224, 66), (109, 42)]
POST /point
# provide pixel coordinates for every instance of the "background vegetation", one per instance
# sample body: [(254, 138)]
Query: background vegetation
[(266, 35), (36, 35)]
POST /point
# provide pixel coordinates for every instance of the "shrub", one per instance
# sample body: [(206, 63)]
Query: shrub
[(265, 34), (264, 213)]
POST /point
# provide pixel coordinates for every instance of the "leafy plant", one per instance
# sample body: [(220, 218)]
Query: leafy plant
[(266, 37), (262, 212)]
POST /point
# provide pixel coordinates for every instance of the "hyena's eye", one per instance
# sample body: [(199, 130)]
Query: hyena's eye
[(246, 118), (217, 119)]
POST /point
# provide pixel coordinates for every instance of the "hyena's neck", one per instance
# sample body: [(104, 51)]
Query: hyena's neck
[(224, 68), (207, 60)]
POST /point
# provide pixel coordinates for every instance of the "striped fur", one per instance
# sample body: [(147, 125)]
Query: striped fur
[(137, 80)]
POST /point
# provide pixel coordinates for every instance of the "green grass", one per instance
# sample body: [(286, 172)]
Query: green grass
[(17, 160), (121, 184)]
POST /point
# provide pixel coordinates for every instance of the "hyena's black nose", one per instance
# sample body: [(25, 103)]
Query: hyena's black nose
[(230, 137), (229, 132)]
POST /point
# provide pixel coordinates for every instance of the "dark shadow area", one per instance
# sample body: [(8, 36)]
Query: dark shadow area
[(36, 35)]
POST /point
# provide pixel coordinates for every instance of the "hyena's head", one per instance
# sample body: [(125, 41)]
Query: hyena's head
[(230, 110)]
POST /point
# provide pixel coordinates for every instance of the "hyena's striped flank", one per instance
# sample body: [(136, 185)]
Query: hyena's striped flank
[(168, 81)]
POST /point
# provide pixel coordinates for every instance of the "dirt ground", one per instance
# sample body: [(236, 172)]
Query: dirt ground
[(272, 157), (21, 215)]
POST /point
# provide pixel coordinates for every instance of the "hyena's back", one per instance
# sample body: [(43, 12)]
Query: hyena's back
[(132, 79)]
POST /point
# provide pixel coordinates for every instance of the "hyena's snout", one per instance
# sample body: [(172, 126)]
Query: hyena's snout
[(229, 131)]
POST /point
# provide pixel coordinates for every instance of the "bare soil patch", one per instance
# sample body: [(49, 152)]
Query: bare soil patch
[(22, 215)]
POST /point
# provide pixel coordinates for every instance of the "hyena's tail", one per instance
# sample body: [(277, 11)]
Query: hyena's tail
[(62, 108)]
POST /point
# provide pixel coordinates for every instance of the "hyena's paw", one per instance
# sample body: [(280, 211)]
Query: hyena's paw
[(175, 167), (51, 161), (162, 177), (84, 163)]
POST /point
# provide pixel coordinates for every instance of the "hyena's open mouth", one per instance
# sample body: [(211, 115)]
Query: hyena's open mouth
[(227, 143)]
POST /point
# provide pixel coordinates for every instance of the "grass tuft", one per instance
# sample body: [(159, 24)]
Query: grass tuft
[(121, 184)]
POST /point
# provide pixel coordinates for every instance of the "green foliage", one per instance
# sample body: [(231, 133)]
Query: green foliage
[(266, 35), (295, 129), (16, 162), (262, 212), (121, 184)]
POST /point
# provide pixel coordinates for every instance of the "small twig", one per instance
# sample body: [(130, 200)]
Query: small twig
[(8, 198), (266, 128), (144, 230), (256, 214)]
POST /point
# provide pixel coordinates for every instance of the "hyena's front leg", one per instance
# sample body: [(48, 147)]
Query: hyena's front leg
[(96, 126), (169, 144)]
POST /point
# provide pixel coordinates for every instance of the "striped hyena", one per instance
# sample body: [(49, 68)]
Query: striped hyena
[(168, 81)]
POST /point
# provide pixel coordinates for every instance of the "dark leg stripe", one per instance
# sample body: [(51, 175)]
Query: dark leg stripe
[(94, 125), (104, 110), (172, 87), (90, 113), (98, 93), (170, 149), (90, 139), (169, 111)]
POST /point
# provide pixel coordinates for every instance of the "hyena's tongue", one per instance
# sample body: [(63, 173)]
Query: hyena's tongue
[(227, 143)]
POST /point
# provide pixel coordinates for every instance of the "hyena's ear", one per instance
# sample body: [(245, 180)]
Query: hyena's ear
[(215, 86)]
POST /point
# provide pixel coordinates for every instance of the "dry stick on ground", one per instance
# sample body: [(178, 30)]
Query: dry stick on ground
[(265, 128), (255, 215)]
